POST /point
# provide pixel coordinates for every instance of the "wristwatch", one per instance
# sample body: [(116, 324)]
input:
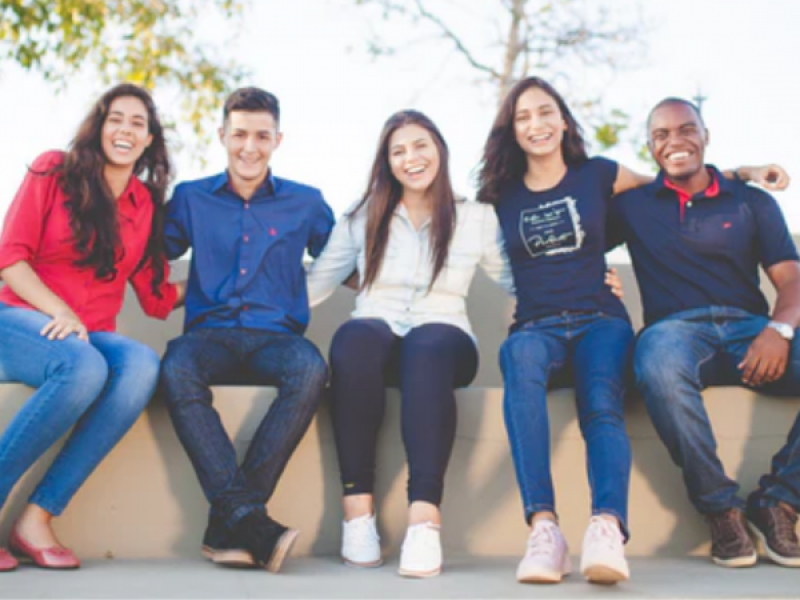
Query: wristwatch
[(784, 330)]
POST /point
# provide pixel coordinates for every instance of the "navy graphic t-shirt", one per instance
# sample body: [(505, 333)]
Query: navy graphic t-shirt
[(555, 240)]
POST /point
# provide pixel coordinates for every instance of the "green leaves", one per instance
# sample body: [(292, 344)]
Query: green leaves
[(154, 43)]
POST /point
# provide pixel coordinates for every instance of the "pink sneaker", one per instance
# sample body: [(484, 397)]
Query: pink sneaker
[(603, 556), (546, 558)]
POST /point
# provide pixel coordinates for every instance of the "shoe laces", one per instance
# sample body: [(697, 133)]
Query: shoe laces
[(361, 532), (542, 540), (726, 526), (603, 532), (423, 536), (785, 523)]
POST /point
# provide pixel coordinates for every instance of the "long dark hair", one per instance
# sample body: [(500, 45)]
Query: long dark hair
[(92, 206), (503, 160), (384, 192)]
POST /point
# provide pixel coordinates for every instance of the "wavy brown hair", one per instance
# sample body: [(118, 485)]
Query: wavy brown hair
[(91, 205), (503, 160), (384, 192)]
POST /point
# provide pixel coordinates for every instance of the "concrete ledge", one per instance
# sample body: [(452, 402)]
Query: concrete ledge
[(144, 500)]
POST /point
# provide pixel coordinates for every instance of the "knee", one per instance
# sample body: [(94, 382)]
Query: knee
[(357, 335), (307, 366), (522, 356), (143, 364), (83, 364)]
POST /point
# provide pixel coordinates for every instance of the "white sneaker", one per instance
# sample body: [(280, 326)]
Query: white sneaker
[(421, 554), (546, 557), (361, 544), (603, 556)]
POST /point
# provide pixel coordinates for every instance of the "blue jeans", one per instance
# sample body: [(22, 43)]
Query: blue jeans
[(593, 350), (100, 388), (210, 356), (679, 356)]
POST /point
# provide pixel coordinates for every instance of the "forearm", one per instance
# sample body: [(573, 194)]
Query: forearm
[(787, 304), (26, 284), (180, 299)]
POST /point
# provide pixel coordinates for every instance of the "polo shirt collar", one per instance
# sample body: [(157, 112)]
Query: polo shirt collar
[(719, 185), (136, 191), (222, 181)]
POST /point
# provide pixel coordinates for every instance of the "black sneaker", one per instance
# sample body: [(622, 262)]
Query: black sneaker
[(267, 540), (774, 527), (731, 545), (218, 548)]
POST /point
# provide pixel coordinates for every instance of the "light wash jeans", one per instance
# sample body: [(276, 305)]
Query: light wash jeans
[(100, 388)]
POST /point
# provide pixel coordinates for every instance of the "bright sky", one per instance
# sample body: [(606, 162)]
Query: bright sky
[(335, 99)]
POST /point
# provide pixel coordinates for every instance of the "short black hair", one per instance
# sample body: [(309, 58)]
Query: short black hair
[(252, 99), (671, 100)]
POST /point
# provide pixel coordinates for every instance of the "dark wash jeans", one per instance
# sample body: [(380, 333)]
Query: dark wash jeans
[(206, 357), (592, 352), (679, 356)]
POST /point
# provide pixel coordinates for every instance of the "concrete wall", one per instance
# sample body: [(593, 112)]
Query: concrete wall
[(144, 501)]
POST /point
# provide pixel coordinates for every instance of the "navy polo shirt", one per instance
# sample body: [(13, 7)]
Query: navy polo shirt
[(247, 257), (555, 240), (707, 256)]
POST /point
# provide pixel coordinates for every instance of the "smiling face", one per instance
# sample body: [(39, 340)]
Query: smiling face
[(250, 138), (539, 125), (678, 140), (125, 134), (413, 158)]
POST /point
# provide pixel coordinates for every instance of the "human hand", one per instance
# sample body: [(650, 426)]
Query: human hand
[(614, 282), (766, 358), (770, 177), (65, 323)]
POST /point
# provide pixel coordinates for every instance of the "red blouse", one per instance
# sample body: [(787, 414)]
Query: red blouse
[(37, 230)]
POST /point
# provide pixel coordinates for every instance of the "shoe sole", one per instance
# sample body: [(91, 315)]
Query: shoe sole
[(419, 574), (773, 556), (541, 578), (738, 562), (604, 575), (282, 548), (234, 558), (362, 565)]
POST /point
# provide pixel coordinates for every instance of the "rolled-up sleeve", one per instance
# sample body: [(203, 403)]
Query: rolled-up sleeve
[(155, 306), (25, 220)]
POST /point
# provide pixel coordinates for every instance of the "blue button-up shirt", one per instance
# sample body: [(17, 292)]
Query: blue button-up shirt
[(247, 256)]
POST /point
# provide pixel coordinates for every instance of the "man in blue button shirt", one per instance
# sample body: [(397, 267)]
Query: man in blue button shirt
[(246, 311), (697, 242)]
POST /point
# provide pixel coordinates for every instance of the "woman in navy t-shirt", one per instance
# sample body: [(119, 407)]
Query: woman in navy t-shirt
[(551, 201)]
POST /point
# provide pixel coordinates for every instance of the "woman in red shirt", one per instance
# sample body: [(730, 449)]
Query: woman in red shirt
[(83, 223)]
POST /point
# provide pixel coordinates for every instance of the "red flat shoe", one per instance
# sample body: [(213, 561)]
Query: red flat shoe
[(7, 562), (56, 557)]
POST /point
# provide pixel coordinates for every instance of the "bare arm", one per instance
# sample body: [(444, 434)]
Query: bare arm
[(26, 284), (627, 180)]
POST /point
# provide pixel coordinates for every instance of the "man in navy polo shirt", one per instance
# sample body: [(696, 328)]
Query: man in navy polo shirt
[(246, 311), (697, 241)]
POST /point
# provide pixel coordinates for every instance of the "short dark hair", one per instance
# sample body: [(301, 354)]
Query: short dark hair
[(252, 99), (672, 100)]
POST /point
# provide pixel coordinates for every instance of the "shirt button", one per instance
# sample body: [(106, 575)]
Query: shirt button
[(246, 206), (242, 271), (245, 307), (246, 239)]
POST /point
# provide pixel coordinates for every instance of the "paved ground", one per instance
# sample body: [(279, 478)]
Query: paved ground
[(326, 578)]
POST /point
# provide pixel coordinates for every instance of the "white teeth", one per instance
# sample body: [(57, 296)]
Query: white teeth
[(678, 155), (123, 145), (415, 170), (541, 137)]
